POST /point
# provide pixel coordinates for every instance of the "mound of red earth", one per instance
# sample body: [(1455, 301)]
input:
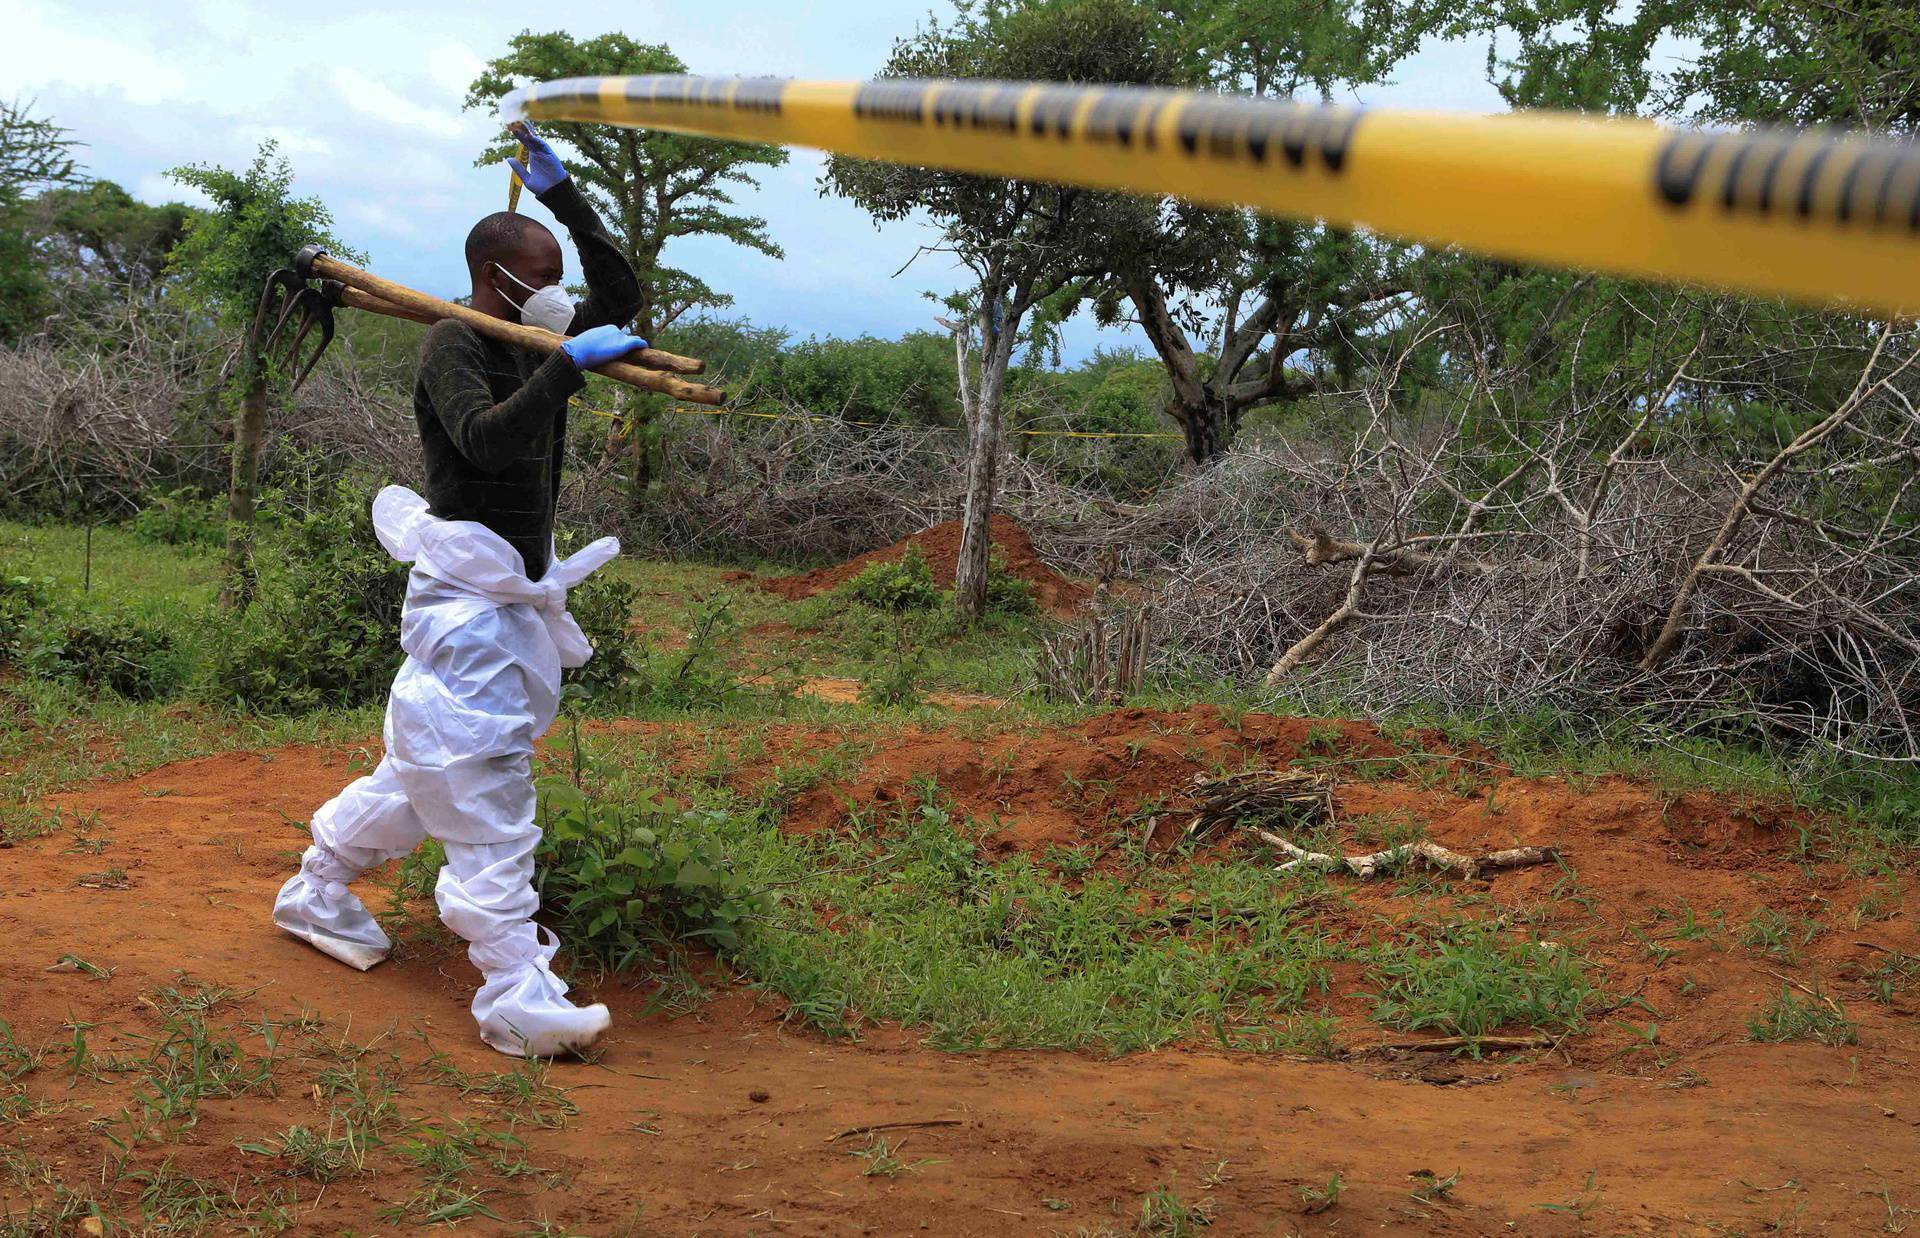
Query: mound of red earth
[(941, 545)]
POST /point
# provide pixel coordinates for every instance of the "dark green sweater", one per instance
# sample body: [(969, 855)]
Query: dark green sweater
[(493, 418)]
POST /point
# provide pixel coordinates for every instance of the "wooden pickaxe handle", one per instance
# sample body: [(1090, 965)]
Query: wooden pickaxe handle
[(382, 296)]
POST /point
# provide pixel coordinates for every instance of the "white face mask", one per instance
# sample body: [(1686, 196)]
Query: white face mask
[(550, 307)]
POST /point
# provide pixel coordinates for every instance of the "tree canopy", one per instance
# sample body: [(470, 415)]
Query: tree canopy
[(650, 187)]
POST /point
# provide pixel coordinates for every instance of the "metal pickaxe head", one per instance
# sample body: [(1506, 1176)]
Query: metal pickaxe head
[(288, 301)]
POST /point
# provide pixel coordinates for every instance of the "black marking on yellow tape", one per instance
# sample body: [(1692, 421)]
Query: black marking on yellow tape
[(1211, 128), (1759, 173), (742, 94)]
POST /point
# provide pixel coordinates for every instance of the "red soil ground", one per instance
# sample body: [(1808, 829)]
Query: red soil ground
[(941, 545), (1701, 1132)]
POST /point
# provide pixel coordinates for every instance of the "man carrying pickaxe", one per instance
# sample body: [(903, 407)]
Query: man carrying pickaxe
[(485, 625)]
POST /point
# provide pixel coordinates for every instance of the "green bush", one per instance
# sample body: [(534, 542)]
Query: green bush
[(104, 651), (697, 672), (1006, 593), (896, 651), (618, 881), (22, 598), (899, 584), (181, 518), (603, 606), (324, 627)]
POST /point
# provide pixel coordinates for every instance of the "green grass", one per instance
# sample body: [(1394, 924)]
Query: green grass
[(1790, 1016), (1471, 979)]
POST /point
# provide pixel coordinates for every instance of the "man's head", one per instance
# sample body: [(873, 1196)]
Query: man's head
[(504, 248)]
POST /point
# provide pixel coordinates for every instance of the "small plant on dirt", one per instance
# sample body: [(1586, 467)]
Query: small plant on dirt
[(622, 880), (1894, 972), (883, 1159), (1472, 980), (697, 673), (1429, 1187), (1779, 936), (321, 1157), (1163, 1214), (1322, 739), (1318, 1199), (901, 584), (1581, 1205), (1791, 1017), (897, 664)]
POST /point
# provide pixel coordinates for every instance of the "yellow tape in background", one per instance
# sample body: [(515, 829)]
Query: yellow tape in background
[(696, 410), (1818, 217)]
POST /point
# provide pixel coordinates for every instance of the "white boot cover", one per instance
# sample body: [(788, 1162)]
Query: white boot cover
[(316, 906), (485, 894)]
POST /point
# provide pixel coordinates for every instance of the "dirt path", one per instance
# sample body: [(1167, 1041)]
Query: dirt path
[(722, 1121)]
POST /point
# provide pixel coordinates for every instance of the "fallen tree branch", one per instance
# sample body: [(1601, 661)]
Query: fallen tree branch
[(871, 1127), (1446, 1044), (1376, 862)]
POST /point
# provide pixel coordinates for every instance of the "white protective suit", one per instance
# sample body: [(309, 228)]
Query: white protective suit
[(481, 682)]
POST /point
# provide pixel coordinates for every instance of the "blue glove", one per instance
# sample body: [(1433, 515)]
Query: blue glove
[(596, 346), (543, 170)]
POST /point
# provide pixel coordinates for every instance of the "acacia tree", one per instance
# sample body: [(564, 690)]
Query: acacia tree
[(1855, 64), (1030, 249), (221, 262), (35, 155), (648, 185), (1228, 299)]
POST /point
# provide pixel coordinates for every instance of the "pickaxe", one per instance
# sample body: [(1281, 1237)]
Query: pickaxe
[(297, 308)]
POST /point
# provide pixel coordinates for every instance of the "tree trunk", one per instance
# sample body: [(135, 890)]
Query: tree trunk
[(986, 433), (249, 433), (1208, 424)]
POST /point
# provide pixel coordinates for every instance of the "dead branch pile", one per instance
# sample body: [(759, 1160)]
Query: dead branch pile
[(1632, 556), (1300, 798), (1100, 660)]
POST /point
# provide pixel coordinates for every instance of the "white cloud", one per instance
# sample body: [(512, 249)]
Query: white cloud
[(381, 102)]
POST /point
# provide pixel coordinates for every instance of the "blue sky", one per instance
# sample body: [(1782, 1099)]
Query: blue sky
[(364, 99)]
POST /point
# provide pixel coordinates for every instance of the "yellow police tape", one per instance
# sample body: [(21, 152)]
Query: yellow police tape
[(741, 412), (1816, 216)]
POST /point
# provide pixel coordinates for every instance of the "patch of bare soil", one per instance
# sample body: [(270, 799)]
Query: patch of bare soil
[(724, 1121), (941, 545)]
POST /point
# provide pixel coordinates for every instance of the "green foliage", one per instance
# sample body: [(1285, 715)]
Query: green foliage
[(1778, 63), (901, 584), (908, 380), (324, 628), (603, 606), (620, 881), (897, 652), (1007, 595), (1474, 980), (255, 227), (99, 650), (650, 186), (98, 232), (35, 154), (697, 673), (22, 598), (1791, 1017), (184, 517)]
